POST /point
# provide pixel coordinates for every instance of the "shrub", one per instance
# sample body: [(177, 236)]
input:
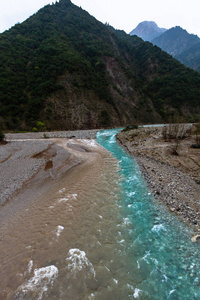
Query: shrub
[(41, 126), (45, 136), (175, 148), (175, 132)]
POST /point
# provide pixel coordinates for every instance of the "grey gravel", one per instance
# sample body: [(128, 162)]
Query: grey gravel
[(79, 134), (17, 164), (178, 190)]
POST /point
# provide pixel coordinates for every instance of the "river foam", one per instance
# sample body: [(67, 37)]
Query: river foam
[(78, 261), (43, 279)]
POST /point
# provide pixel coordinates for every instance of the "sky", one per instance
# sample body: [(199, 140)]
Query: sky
[(124, 14)]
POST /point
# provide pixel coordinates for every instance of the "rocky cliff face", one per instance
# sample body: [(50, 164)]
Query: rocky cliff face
[(147, 30)]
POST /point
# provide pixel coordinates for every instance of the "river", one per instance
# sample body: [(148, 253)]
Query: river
[(103, 236), (164, 260)]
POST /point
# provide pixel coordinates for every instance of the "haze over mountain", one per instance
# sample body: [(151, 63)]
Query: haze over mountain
[(180, 44), (191, 57), (147, 30), (65, 68), (176, 41)]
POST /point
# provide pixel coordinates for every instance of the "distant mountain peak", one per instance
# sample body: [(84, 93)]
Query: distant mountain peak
[(148, 30)]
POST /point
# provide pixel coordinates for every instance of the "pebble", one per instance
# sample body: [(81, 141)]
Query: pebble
[(195, 238)]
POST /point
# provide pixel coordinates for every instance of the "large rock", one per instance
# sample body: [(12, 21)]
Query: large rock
[(196, 238)]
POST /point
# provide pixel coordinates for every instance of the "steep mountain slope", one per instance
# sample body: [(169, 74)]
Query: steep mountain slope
[(180, 44), (65, 68), (147, 30), (191, 57), (175, 41)]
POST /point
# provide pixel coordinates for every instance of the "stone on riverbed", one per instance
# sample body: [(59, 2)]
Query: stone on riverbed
[(196, 238)]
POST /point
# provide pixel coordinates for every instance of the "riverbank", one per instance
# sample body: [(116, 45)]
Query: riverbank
[(78, 134), (26, 155), (172, 176)]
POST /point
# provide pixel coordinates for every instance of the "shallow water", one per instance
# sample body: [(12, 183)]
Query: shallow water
[(102, 236), (164, 259)]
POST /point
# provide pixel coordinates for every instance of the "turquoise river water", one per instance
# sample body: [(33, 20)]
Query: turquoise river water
[(164, 259)]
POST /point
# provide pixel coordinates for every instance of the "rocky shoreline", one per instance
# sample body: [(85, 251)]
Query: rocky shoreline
[(167, 181), (78, 134)]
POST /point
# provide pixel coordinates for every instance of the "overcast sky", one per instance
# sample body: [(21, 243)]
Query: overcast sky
[(124, 14)]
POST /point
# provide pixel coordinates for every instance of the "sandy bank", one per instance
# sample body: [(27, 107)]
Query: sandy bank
[(173, 179), (28, 156)]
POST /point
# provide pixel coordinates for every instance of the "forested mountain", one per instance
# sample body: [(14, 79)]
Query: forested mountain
[(176, 41), (181, 45), (191, 57), (147, 30), (65, 68)]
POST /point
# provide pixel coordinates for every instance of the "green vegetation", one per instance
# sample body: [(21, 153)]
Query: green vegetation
[(45, 136), (33, 54), (64, 40), (40, 127), (35, 129)]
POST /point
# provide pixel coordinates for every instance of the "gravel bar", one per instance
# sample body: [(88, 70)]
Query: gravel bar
[(20, 158)]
